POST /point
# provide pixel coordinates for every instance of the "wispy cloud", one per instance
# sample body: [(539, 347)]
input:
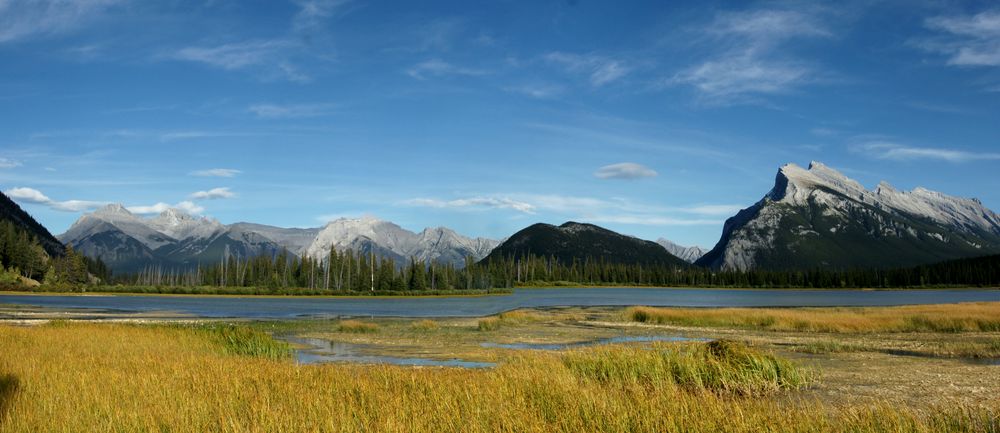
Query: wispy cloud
[(312, 13), (618, 211), (216, 172), (538, 91), (599, 70), (967, 40), (213, 194), (713, 209), (31, 195), (186, 206), (474, 203), (899, 152), (23, 19), (269, 56), (754, 62), (277, 111), (438, 68), (625, 170), (9, 163)]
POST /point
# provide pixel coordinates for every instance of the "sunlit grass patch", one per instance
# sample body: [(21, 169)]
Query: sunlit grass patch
[(950, 318), (515, 317), (246, 341), (357, 327), (718, 366), (425, 325)]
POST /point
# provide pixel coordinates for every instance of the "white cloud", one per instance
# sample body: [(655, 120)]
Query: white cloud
[(619, 211), (753, 62), (474, 202), (186, 206), (713, 209), (438, 68), (216, 172), (625, 170), (313, 12), (899, 152), (9, 163), (275, 111), (269, 56), (968, 40), (213, 194), (32, 195), (538, 91), (20, 19), (599, 70)]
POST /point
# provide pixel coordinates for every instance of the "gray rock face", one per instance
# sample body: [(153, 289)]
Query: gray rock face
[(175, 239), (688, 254), (817, 217)]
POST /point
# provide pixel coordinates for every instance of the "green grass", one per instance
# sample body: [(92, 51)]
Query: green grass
[(246, 341), (721, 366)]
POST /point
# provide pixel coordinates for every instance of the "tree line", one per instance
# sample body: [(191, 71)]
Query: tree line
[(357, 272), (22, 256)]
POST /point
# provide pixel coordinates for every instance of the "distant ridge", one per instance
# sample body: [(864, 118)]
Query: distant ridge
[(578, 241)]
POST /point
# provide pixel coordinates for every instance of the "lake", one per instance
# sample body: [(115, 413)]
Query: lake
[(303, 307)]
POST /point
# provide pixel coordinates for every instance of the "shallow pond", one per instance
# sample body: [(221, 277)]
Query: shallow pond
[(602, 341), (316, 350)]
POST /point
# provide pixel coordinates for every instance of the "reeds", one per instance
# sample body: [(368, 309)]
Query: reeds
[(126, 378), (968, 317), (720, 366)]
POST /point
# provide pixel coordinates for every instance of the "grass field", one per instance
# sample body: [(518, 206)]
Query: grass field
[(112, 377), (968, 317)]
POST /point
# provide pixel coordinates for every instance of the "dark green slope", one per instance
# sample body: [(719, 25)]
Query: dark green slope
[(10, 211), (576, 241)]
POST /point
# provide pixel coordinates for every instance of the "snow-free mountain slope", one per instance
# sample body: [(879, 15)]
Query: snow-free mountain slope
[(817, 217), (576, 241), (10, 211), (370, 235), (175, 239), (688, 254)]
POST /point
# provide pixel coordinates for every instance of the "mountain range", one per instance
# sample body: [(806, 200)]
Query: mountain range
[(817, 217), (812, 217), (127, 242)]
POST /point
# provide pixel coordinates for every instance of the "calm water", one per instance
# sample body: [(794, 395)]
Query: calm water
[(321, 351), (293, 307)]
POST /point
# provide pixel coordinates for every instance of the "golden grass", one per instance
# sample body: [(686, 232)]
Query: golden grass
[(425, 325), (515, 317), (356, 326), (968, 317), (100, 377)]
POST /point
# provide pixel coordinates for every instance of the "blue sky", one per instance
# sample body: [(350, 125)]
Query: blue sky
[(656, 119)]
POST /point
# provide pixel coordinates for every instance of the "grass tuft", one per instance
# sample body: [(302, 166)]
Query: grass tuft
[(425, 325), (720, 366), (357, 327), (246, 341)]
